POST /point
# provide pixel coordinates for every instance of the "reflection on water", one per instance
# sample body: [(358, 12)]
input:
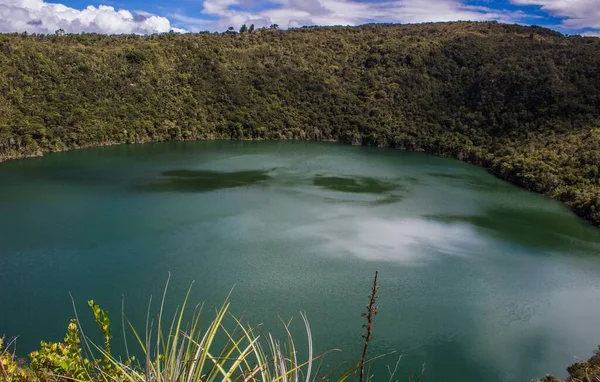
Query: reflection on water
[(469, 180), (386, 191), (365, 185), (391, 240), (202, 180), (446, 175), (528, 228), (185, 180)]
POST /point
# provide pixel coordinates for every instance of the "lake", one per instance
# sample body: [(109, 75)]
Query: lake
[(479, 279)]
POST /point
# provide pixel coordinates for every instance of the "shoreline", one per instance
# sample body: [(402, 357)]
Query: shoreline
[(466, 158)]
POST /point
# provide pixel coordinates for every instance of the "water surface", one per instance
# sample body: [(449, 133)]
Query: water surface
[(480, 280)]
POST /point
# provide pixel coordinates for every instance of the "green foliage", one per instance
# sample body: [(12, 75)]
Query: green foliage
[(63, 359), (586, 371), (226, 349), (10, 370), (522, 101), (69, 361), (103, 323)]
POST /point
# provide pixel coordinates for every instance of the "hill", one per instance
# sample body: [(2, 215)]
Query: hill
[(521, 101)]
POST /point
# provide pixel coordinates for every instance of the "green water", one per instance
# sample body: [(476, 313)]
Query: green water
[(480, 280)]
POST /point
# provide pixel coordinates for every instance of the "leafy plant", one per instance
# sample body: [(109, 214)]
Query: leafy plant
[(223, 349), (10, 371), (584, 371), (62, 359)]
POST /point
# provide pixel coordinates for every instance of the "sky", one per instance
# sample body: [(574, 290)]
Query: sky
[(159, 16)]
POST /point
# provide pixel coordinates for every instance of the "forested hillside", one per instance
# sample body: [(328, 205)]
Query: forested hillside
[(522, 101)]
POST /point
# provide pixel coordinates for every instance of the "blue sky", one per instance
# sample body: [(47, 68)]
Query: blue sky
[(137, 16)]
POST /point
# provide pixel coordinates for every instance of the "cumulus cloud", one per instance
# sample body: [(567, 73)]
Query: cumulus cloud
[(576, 14), (217, 15), (42, 17)]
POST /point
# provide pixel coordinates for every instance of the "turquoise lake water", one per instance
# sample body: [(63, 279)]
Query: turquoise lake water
[(479, 280)]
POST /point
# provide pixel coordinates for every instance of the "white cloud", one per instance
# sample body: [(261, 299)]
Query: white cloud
[(217, 15), (577, 14), (293, 13), (42, 17)]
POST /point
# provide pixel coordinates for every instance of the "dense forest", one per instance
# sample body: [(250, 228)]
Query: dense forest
[(521, 101)]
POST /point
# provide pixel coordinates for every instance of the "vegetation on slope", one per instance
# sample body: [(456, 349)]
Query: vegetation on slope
[(523, 101)]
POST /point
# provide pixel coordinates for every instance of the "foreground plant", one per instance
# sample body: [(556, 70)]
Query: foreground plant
[(224, 350), (10, 371), (199, 355), (584, 371), (369, 315)]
